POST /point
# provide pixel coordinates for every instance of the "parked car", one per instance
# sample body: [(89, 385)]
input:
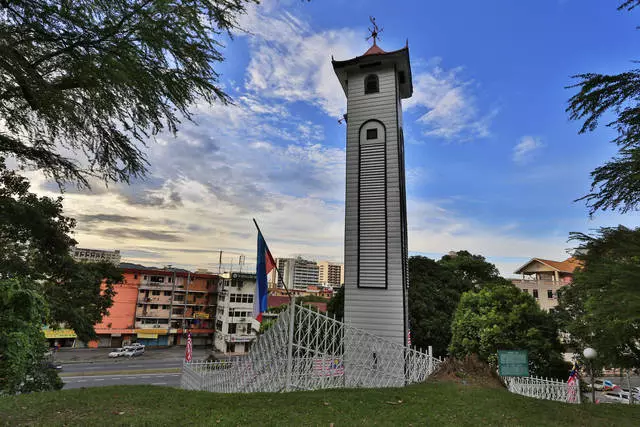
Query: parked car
[(135, 345), (117, 352), (133, 352), (602, 385), (54, 365)]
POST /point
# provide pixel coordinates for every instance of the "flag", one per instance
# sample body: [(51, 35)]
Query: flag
[(189, 351), (264, 266), (572, 391)]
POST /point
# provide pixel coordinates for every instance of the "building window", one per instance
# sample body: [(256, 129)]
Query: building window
[(372, 133), (135, 276), (154, 306), (139, 305), (535, 293), (526, 290), (549, 294), (371, 84), (232, 328), (155, 292), (167, 293), (165, 307)]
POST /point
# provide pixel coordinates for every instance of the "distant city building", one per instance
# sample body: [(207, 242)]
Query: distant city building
[(330, 274), (95, 255), (234, 314), (296, 273), (542, 278)]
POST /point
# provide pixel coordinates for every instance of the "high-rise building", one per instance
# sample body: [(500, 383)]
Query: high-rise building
[(296, 273), (234, 314), (95, 255), (330, 273)]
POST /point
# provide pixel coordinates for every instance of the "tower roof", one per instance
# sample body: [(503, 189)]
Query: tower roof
[(374, 50)]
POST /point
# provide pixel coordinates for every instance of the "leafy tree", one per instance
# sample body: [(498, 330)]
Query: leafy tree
[(472, 268), (434, 292), (615, 185), (34, 234), (335, 306), (82, 296), (23, 311), (601, 308), (502, 317), (100, 77)]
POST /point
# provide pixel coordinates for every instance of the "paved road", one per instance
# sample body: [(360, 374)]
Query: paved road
[(120, 365), (169, 380)]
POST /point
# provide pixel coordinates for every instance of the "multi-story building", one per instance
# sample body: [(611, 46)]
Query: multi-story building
[(330, 274), (95, 255), (168, 303), (295, 273), (542, 278), (234, 313)]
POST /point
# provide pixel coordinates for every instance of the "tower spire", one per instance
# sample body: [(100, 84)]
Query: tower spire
[(375, 31)]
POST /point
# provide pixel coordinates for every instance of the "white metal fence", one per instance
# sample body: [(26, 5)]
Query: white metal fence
[(544, 388), (306, 350)]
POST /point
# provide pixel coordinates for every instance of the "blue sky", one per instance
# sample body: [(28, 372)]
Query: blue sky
[(493, 163)]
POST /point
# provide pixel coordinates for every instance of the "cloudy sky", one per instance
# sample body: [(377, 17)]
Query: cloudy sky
[(493, 164)]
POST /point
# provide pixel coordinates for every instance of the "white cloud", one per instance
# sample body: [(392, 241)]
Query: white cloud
[(291, 61), (526, 149), (451, 107)]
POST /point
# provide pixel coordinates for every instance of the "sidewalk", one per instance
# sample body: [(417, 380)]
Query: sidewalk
[(91, 355)]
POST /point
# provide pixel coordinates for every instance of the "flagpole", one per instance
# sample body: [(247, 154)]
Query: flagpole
[(280, 280)]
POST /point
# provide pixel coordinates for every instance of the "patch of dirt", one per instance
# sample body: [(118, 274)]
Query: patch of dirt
[(468, 371)]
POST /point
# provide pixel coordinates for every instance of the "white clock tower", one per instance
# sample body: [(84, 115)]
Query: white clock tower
[(375, 250)]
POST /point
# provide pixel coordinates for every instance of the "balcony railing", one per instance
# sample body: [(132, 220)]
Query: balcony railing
[(539, 283)]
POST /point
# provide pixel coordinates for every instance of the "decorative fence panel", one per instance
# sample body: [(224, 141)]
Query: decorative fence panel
[(306, 350), (547, 389)]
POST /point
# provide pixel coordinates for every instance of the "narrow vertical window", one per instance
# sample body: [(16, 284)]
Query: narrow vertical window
[(371, 84)]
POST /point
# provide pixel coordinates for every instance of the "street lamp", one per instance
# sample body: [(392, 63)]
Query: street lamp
[(590, 354)]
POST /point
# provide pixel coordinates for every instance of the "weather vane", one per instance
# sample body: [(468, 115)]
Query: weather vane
[(375, 32)]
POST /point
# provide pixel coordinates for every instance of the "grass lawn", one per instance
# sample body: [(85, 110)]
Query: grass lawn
[(433, 404)]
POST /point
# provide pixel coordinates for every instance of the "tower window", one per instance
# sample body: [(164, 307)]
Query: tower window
[(372, 133), (371, 84)]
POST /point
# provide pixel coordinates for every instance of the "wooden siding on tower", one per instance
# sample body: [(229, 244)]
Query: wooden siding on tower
[(379, 310)]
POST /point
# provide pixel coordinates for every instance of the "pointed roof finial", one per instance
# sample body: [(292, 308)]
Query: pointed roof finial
[(375, 32)]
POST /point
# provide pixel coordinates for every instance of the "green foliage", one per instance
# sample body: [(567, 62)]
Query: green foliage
[(83, 296), (434, 292), (34, 234), (101, 77), (335, 306), (601, 308), (502, 317), (22, 343), (615, 185)]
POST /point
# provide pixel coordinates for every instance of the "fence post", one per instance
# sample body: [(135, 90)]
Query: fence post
[(578, 393), (292, 322), (430, 352)]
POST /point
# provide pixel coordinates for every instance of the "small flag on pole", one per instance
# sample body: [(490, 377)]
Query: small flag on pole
[(264, 266), (189, 351)]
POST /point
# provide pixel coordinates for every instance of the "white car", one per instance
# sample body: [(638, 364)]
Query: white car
[(132, 352), (118, 352), (134, 346)]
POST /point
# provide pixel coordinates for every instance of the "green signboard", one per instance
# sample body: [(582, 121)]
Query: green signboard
[(513, 363)]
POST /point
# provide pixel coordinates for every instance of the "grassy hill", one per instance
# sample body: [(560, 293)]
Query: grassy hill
[(433, 404)]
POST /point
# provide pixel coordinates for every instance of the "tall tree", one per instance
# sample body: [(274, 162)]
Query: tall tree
[(616, 184), (99, 77), (601, 308), (502, 317), (434, 292), (23, 311)]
